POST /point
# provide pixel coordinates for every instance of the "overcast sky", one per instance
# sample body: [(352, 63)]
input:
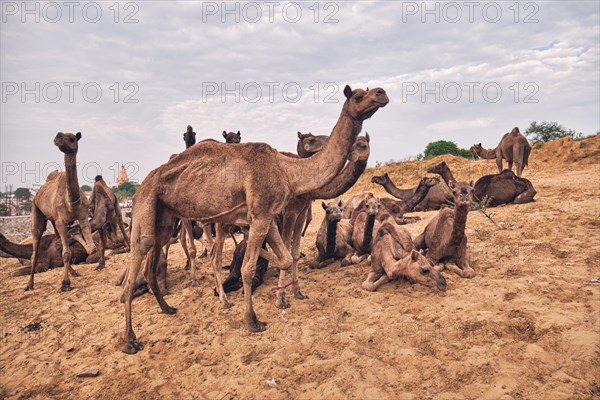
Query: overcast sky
[(461, 71)]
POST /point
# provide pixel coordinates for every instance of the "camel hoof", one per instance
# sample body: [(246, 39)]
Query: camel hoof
[(100, 267), (132, 347), (169, 310), (254, 325), (28, 288), (299, 295), (346, 263), (314, 265), (74, 273), (282, 303), (227, 304), (65, 287), (187, 266), (204, 254)]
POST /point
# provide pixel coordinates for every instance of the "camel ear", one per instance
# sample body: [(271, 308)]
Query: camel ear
[(451, 185), (324, 205), (414, 255), (347, 92), (78, 135), (479, 144), (300, 135), (239, 134), (367, 137), (471, 183), (224, 134)]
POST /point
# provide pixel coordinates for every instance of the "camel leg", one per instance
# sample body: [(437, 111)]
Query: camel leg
[(162, 235), (499, 163), (301, 224), (192, 252), (38, 226), (101, 249), (66, 255), (183, 234), (526, 197), (123, 231), (321, 264), (142, 240), (259, 229), (290, 219), (209, 239), (217, 264), (374, 281)]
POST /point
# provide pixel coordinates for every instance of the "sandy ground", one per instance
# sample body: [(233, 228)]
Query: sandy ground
[(527, 326)]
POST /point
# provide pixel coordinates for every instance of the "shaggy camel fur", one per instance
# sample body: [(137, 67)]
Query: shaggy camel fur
[(61, 201), (438, 194), (249, 183), (394, 256), (504, 188), (444, 237), (232, 137), (514, 147), (334, 237)]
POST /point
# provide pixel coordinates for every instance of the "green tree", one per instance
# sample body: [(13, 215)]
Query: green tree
[(126, 190), (26, 205), (3, 210), (22, 193), (86, 188), (445, 147), (547, 131)]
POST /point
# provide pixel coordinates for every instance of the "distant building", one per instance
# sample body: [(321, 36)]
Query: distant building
[(122, 176)]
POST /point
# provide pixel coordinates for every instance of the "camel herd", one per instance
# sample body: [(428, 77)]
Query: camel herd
[(213, 189)]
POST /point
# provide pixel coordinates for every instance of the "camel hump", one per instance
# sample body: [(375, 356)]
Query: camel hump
[(53, 175)]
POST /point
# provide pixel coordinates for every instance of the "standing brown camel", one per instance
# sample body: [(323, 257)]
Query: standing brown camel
[(444, 237), (394, 256), (61, 201), (201, 184), (232, 137), (298, 212), (514, 147)]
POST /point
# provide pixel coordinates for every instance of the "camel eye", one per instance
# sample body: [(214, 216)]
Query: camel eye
[(358, 98), (424, 271)]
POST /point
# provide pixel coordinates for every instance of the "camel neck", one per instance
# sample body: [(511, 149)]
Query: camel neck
[(448, 177), (419, 194), (331, 234), (487, 154), (72, 181), (368, 238), (308, 174), (398, 193), (342, 182), (459, 224)]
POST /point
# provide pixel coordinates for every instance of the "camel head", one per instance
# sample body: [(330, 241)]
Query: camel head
[(67, 142), (462, 193), (310, 144), (360, 149), (515, 131), (418, 270), (362, 104), (189, 137), (372, 204), (333, 210), (476, 149), (439, 168), (232, 137), (381, 179), (429, 182)]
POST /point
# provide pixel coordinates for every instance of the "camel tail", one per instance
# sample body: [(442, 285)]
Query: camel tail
[(15, 249), (526, 153)]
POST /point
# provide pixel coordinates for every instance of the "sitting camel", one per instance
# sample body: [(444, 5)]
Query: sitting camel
[(309, 144), (232, 137), (61, 200), (435, 198), (394, 256), (514, 147), (444, 237), (364, 223), (504, 188), (334, 237)]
